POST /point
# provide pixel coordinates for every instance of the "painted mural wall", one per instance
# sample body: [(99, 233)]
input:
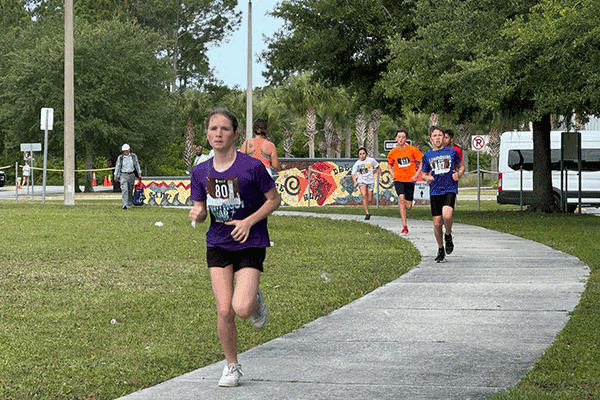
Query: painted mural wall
[(300, 182)]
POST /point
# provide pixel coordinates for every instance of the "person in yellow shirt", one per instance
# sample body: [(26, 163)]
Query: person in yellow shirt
[(405, 160)]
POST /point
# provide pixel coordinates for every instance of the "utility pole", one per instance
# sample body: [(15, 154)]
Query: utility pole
[(69, 151), (249, 83)]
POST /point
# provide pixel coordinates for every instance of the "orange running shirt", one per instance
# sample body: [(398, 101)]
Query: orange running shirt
[(260, 149), (404, 162)]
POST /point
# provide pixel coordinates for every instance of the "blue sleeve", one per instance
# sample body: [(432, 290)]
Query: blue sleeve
[(426, 166), (456, 158)]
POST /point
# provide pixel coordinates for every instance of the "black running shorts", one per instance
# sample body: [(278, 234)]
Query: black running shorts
[(252, 257), (438, 203), (405, 188)]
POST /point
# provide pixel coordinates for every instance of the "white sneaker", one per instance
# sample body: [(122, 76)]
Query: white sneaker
[(261, 315), (231, 375)]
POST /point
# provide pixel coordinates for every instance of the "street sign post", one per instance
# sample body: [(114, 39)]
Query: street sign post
[(478, 142), (46, 124)]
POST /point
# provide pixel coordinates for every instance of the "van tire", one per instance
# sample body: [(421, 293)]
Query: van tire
[(570, 207)]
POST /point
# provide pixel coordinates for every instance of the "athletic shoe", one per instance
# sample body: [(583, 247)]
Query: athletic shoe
[(124, 207), (261, 315), (441, 255), (231, 375), (449, 243), (368, 217), (404, 231)]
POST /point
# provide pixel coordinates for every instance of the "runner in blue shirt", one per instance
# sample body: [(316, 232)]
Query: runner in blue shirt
[(442, 168)]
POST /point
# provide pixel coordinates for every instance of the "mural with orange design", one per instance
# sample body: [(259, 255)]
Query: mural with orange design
[(330, 183)]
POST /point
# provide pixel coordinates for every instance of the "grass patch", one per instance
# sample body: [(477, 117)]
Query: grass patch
[(67, 271)]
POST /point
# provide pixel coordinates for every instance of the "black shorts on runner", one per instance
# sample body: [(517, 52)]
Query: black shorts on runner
[(438, 203), (405, 188), (252, 257)]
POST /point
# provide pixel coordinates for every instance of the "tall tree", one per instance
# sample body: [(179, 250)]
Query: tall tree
[(342, 42), (119, 86), (191, 26), (523, 60)]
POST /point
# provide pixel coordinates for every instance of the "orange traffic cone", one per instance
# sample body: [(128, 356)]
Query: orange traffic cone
[(109, 181), (94, 183), (105, 180)]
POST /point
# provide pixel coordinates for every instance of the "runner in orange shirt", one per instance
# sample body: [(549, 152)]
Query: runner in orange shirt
[(405, 161)]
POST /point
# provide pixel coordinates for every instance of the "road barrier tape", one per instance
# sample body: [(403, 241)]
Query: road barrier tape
[(62, 170), (8, 166)]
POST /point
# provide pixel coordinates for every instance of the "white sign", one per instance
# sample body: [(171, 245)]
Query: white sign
[(47, 119), (421, 190), (478, 142), (30, 147), (389, 145)]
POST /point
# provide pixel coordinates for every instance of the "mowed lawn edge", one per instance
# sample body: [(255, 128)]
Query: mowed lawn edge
[(97, 302)]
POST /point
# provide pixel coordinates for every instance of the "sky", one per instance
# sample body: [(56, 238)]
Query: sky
[(230, 59)]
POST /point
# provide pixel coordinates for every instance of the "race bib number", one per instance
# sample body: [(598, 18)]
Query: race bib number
[(223, 198), (403, 162), (441, 164)]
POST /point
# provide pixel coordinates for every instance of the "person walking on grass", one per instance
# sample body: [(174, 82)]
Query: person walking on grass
[(127, 169), (442, 168), (239, 194), (362, 175), (406, 167)]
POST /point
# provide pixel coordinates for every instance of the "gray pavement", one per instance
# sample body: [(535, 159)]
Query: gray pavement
[(462, 329)]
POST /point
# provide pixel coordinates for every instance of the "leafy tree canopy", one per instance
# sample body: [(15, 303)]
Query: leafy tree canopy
[(190, 27), (342, 42), (119, 85)]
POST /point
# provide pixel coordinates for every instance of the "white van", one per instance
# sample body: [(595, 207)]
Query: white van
[(516, 152)]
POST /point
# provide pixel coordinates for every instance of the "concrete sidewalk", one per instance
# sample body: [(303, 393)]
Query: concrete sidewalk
[(462, 329)]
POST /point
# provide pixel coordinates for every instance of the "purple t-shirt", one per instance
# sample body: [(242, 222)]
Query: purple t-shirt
[(232, 194), (441, 164)]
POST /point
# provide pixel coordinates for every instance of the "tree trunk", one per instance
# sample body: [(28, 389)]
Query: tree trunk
[(542, 173), (348, 143), (89, 164), (494, 168)]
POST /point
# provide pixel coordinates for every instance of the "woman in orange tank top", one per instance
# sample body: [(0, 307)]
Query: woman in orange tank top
[(260, 147)]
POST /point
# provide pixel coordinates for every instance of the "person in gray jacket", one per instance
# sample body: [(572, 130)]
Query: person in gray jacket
[(127, 170)]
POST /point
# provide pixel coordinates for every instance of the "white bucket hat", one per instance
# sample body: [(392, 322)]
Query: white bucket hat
[(125, 147)]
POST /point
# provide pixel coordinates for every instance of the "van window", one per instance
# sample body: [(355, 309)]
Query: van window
[(524, 158)]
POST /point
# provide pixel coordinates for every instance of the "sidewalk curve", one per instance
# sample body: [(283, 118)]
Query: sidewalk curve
[(462, 329)]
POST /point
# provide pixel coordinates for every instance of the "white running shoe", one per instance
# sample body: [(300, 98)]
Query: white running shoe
[(261, 315), (231, 375)]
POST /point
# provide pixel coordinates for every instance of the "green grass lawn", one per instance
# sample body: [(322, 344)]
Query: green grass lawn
[(66, 272)]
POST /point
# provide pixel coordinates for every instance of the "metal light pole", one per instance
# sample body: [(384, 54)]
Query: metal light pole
[(69, 150), (249, 82)]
